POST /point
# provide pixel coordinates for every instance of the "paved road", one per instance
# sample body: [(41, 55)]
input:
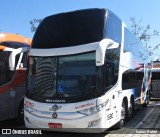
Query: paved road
[(145, 123), (146, 120)]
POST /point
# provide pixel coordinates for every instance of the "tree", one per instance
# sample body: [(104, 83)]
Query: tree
[(144, 34), (34, 24)]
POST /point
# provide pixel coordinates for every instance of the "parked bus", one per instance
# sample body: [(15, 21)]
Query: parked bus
[(12, 80), (155, 87), (85, 70)]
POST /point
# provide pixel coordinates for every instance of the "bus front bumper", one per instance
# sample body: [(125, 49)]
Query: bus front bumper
[(90, 124)]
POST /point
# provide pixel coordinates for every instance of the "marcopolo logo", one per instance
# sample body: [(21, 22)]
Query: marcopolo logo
[(55, 108)]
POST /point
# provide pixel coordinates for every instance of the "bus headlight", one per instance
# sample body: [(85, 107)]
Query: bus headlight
[(92, 110)]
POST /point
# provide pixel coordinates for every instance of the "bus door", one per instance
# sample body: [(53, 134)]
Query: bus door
[(21, 77), (17, 87)]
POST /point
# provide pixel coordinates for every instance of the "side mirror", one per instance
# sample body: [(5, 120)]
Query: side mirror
[(101, 50), (13, 54)]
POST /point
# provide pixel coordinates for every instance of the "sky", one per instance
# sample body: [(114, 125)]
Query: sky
[(15, 15)]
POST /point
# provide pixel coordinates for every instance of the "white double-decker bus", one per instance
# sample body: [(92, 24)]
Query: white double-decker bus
[(85, 70)]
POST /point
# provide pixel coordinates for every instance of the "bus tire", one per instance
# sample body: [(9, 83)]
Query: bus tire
[(147, 99), (150, 94), (131, 107), (124, 115), (118, 125), (20, 119)]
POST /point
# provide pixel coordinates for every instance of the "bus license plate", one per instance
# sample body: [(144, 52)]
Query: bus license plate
[(54, 125)]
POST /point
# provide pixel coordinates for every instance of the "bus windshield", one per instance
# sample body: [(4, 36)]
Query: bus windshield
[(67, 77)]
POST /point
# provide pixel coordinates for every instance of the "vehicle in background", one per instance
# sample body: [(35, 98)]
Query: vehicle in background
[(155, 86), (12, 79), (85, 72)]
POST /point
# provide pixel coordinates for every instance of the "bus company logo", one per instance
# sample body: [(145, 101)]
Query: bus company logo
[(28, 104), (84, 105), (55, 108), (54, 115)]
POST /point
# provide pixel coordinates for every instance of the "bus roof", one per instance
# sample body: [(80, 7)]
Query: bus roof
[(8, 37)]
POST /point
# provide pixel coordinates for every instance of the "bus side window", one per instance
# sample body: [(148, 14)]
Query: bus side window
[(111, 67), (3, 69), (24, 60), (108, 74), (5, 73)]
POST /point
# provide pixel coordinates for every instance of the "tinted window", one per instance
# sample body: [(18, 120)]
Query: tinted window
[(70, 29), (131, 44), (5, 73), (111, 67), (14, 45), (70, 77), (155, 75), (132, 79), (24, 60), (113, 27)]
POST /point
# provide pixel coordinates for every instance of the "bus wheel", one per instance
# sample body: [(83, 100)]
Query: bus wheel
[(131, 108), (147, 100), (20, 118), (124, 115), (150, 94)]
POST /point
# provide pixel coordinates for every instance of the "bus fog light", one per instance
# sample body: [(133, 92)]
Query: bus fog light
[(94, 123)]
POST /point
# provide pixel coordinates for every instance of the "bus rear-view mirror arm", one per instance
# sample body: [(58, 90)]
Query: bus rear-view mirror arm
[(101, 50), (13, 54)]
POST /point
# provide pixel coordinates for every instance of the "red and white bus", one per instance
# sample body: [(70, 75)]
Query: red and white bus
[(12, 79)]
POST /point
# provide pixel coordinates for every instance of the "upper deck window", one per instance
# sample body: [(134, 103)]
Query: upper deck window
[(113, 28), (70, 29)]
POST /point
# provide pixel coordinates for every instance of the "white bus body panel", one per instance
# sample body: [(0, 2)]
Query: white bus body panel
[(68, 116)]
